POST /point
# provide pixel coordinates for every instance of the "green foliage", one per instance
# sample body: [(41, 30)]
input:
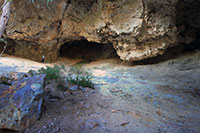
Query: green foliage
[(52, 73), (75, 76), (80, 78)]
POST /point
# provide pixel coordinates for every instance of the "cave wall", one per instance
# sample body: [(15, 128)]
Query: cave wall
[(137, 29)]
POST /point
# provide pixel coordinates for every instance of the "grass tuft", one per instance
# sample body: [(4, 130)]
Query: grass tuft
[(80, 78)]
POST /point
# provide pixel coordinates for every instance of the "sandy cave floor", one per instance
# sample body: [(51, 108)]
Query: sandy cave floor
[(162, 97)]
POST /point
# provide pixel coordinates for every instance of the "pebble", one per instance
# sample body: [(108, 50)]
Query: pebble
[(77, 113), (53, 100), (40, 131), (87, 95), (56, 129), (44, 127), (51, 124), (87, 106), (73, 88)]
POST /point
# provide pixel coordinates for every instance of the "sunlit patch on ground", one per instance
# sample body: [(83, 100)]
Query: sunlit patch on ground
[(99, 73), (10, 63)]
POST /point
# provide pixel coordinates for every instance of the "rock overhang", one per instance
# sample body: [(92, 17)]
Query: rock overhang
[(137, 29)]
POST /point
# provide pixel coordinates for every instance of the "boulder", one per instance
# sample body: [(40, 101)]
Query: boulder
[(137, 29), (20, 103)]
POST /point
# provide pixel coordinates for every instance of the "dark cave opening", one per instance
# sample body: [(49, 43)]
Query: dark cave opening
[(194, 45), (85, 50)]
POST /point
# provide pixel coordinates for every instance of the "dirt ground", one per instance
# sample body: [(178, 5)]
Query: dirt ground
[(157, 98)]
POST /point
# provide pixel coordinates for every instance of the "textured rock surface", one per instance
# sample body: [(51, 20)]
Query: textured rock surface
[(138, 29), (20, 104), (12, 77)]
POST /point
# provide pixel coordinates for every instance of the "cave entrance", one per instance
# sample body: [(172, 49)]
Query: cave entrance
[(86, 50)]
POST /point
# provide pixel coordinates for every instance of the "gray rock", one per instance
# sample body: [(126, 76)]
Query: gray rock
[(84, 88), (20, 104), (12, 77), (74, 88), (56, 129)]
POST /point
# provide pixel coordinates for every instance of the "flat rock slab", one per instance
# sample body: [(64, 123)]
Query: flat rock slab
[(20, 104)]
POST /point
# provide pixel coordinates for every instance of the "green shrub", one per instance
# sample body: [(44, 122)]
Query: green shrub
[(80, 77), (52, 73), (76, 76), (84, 81)]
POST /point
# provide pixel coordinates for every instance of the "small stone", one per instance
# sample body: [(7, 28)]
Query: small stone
[(44, 127), (92, 92), (56, 129), (53, 100), (74, 88), (40, 131), (114, 111), (84, 88), (87, 106), (51, 124), (77, 113), (87, 95)]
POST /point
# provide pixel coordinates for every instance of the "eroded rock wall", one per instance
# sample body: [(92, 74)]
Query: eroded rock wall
[(138, 29)]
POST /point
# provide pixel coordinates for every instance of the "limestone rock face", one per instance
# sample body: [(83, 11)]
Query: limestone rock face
[(20, 103), (138, 29)]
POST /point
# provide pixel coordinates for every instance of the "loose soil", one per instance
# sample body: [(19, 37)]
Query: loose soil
[(162, 97)]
